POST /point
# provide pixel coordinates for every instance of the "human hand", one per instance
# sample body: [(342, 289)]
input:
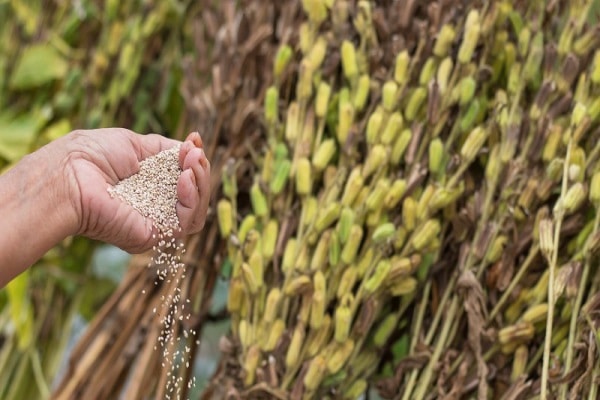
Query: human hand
[(97, 159)]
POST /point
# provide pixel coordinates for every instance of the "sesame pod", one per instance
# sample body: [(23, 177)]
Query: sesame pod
[(546, 237), (340, 355), (425, 234), (347, 281), (292, 357), (595, 74), (361, 198), (252, 242), (493, 166), (373, 283), (302, 260), (389, 95), (292, 122), (574, 197), (400, 238), (552, 143), (225, 217), (436, 155), (496, 249), (315, 372), (401, 268), (443, 74), (235, 296), (269, 239), (251, 281), (351, 247), (256, 264), (304, 86), (444, 40), (405, 286), (282, 59), (415, 103), (536, 313), (334, 251), (535, 56), (274, 335), (365, 262), (376, 158), (376, 197), (327, 216), (518, 333), (323, 154), (319, 337), (401, 75), (343, 319), (362, 92), (289, 255), (297, 286), (409, 213), (383, 232), (258, 200), (385, 329), (321, 252), (318, 303), (282, 173), (345, 119), (316, 55), (443, 197), (353, 186), (374, 218), (303, 176), (400, 146), (358, 388), (309, 211), (272, 305), (595, 189), (271, 106), (349, 64), (245, 334), (374, 126), (322, 99), (470, 38), (392, 128), (470, 116), (473, 144), (345, 222), (395, 193), (427, 71), (519, 362), (467, 87)]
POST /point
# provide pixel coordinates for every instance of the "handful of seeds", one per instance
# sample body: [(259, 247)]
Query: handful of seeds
[(426, 208), (152, 191)]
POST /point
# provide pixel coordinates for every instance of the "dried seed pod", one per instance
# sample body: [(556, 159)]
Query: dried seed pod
[(298, 285), (318, 304), (574, 197), (518, 333), (406, 285), (519, 362), (365, 262), (546, 238), (250, 364), (251, 281), (304, 87)]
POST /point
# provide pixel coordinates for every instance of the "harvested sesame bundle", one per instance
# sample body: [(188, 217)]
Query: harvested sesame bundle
[(424, 218)]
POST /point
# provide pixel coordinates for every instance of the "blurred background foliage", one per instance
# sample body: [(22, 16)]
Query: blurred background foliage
[(68, 65)]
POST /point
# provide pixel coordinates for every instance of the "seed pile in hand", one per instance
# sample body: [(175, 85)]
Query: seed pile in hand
[(152, 191)]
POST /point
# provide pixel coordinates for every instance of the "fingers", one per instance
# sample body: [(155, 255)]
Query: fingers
[(151, 144), (193, 187)]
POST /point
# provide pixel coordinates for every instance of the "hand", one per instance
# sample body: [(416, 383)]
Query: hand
[(100, 158)]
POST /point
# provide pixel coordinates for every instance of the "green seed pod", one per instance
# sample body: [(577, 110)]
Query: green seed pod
[(595, 74), (553, 140), (467, 89), (252, 243), (401, 268), (392, 128), (271, 105), (362, 92), (400, 238), (518, 333), (365, 262), (280, 178), (473, 144), (303, 176), (322, 99), (302, 259), (315, 372), (319, 337), (321, 252), (351, 247), (443, 197), (470, 116), (389, 94), (415, 103), (304, 87), (383, 232), (343, 320), (274, 335), (519, 362), (346, 117), (326, 216), (317, 53), (374, 126), (374, 282), (269, 239), (318, 303), (245, 333), (436, 156), (292, 124), (309, 211), (250, 280), (376, 158), (347, 281), (349, 64), (235, 296), (493, 166), (357, 388), (443, 74), (345, 222), (470, 38), (282, 59), (340, 355), (334, 251), (315, 10), (400, 146), (258, 200), (536, 313), (595, 189), (257, 265), (405, 286), (535, 56), (353, 186), (272, 305), (298, 285), (324, 154), (395, 193), (409, 213), (289, 255), (292, 357), (225, 217), (425, 234), (496, 249), (401, 75), (427, 71), (444, 40), (376, 197), (574, 197), (385, 329)]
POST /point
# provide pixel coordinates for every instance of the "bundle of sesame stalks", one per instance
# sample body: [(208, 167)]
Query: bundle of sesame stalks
[(424, 221)]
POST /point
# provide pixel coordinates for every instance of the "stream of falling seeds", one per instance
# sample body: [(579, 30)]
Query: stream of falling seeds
[(152, 191)]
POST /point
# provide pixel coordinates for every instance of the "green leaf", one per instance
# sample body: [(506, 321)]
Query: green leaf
[(17, 134), (21, 310), (38, 64)]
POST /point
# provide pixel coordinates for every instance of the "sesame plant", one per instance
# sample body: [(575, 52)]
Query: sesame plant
[(422, 219)]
